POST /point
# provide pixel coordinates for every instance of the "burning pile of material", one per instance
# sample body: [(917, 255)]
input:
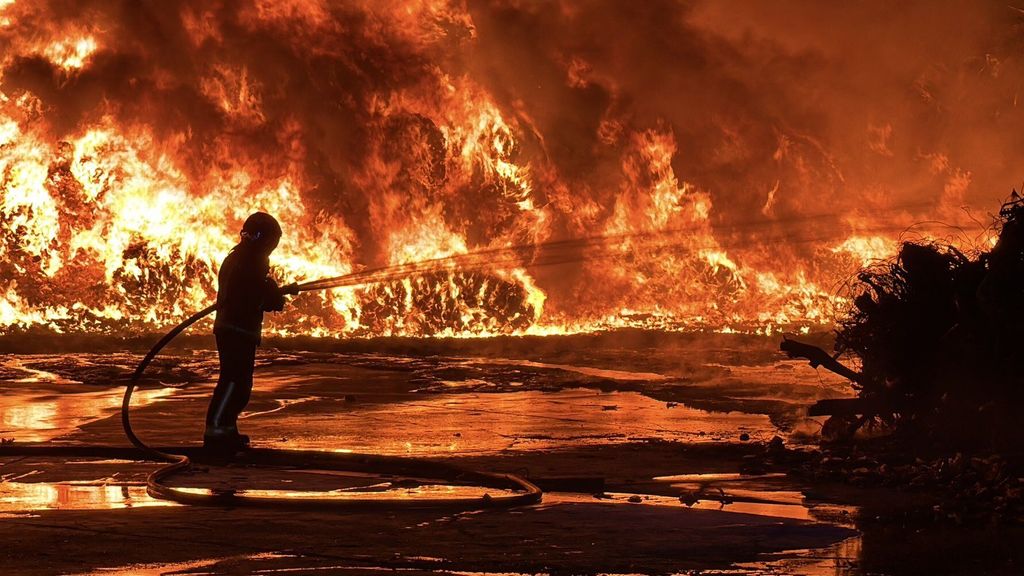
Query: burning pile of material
[(135, 138), (937, 333)]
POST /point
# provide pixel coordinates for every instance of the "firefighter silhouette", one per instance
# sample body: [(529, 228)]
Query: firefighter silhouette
[(245, 291)]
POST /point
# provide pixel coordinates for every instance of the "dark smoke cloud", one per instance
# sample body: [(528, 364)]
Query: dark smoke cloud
[(846, 106)]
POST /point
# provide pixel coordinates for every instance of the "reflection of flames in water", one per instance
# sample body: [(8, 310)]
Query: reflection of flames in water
[(370, 132), (34, 416), (21, 497)]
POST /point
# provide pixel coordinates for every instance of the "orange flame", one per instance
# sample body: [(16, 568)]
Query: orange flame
[(115, 220)]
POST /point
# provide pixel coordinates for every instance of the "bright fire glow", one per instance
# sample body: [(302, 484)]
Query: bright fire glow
[(71, 55), (127, 167)]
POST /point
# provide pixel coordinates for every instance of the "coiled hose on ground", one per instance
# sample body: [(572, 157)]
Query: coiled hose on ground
[(523, 491)]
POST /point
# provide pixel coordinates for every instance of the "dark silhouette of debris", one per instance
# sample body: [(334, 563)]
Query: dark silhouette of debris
[(938, 337)]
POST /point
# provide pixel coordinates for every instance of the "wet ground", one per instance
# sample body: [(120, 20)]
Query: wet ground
[(653, 448)]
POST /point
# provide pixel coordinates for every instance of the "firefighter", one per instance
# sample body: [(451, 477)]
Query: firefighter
[(245, 291)]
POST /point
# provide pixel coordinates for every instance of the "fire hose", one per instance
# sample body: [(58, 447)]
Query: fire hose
[(516, 491), (522, 491)]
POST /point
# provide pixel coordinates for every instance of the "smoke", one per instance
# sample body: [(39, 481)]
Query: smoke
[(850, 106), (878, 113), (448, 126)]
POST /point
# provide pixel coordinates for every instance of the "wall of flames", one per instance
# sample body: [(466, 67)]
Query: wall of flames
[(135, 137)]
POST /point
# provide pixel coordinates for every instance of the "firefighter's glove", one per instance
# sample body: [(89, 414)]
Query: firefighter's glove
[(273, 297)]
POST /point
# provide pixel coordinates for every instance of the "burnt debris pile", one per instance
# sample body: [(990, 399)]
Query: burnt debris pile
[(939, 336)]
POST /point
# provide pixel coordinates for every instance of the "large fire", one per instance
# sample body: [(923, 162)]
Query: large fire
[(136, 137)]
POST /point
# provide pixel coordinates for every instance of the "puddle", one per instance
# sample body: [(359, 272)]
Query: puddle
[(837, 560), (33, 496), (763, 495), (716, 477), (21, 497), (840, 559), (480, 423), (585, 370), (469, 383), (281, 405), (209, 568), (191, 567), (151, 569), (761, 508), (38, 416), (782, 375), (32, 375), (430, 492)]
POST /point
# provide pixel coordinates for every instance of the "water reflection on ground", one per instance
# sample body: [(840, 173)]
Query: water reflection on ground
[(419, 406), (34, 496), (484, 423), (33, 417)]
